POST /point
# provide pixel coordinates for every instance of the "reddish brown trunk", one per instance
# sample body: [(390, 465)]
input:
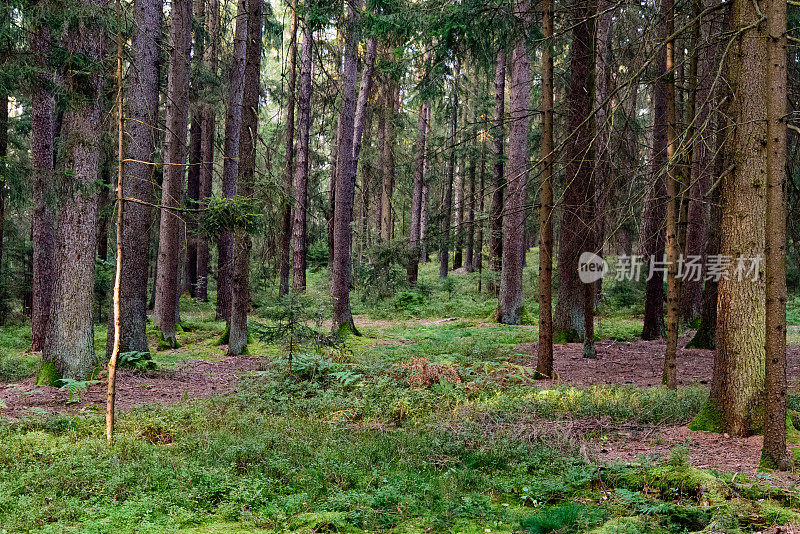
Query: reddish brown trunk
[(575, 228), (166, 306), (42, 224), (447, 197), (301, 171)]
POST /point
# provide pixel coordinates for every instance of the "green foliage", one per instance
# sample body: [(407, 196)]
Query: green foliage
[(709, 419), (566, 519), (237, 214), (76, 387), (141, 361)]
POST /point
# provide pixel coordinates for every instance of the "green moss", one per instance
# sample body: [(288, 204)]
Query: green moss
[(775, 514), (628, 525), (709, 419), (565, 336), (48, 374), (167, 344), (225, 337)]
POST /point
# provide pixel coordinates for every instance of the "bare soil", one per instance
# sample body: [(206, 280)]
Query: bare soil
[(638, 363), (193, 379)]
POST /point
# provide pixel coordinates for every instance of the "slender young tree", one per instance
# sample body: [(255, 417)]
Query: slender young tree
[(69, 344), (774, 452), (387, 168), (498, 184), (289, 172), (511, 299), (42, 221), (544, 365), (240, 301), (669, 377), (166, 307), (301, 169), (230, 168)]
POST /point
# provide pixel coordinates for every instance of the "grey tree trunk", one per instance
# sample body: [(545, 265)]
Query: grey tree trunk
[(240, 301), (511, 299), (166, 306), (69, 344), (233, 126)]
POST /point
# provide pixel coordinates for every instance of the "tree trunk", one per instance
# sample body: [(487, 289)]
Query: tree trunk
[(301, 170), (444, 247), (511, 300), (43, 221), (69, 344), (352, 124), (669, 376), (774, 454), (387, 172), (230, 168), (544, 365), (287, 256), (498, 184), (654, 215), (741, 304), (207, 142), (569, 313), (412, 270), (174, 168), (240, 301)]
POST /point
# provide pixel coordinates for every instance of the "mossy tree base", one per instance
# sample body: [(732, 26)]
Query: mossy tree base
[(709, 419), (48, 375)]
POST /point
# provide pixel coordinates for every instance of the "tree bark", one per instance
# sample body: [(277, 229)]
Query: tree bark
[(669, 376), (166, 306), (444, 246), (196, 109), (412, 270), (287, 257), (774, 453), (498, 184), (230, 168), (240, 301), (511, 299), (301, 170), (387, 172), (740, 303), (544, 365), (569, 313), (207, 142), (43, 220), (69, 344), (352, 123)]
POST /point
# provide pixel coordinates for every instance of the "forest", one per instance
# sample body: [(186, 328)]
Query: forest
[(400, 266)]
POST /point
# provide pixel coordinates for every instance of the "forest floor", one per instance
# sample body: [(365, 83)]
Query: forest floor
[(428, 422)]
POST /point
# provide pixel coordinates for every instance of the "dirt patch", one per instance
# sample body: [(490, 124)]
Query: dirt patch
[(707, 450), (194, 379), (638, 363)]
